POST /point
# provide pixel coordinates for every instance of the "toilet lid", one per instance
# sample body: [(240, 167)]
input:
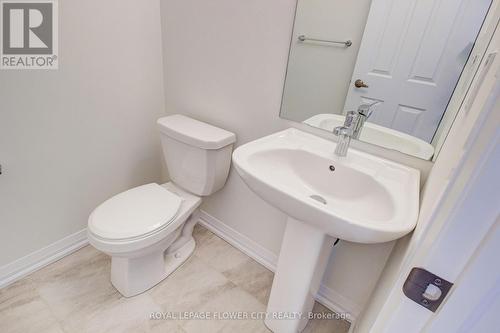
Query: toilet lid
[(136, 212)]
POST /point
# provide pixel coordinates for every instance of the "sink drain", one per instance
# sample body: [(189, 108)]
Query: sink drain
[(318, 198)]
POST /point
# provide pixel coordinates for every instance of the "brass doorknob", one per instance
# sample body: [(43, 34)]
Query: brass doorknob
[(360, 84)]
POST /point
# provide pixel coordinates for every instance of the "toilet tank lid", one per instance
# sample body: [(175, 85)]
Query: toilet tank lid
[(194, 132)]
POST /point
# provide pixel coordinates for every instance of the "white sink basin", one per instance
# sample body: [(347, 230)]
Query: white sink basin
[(359, 198), (365, 199), (379, 135)]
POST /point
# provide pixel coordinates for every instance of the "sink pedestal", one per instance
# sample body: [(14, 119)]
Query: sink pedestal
[(362, 199), (302, 261)]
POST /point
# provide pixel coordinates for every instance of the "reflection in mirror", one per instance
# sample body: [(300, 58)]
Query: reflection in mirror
[(404, 57)]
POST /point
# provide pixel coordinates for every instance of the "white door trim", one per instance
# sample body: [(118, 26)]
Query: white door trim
[(465, 213)]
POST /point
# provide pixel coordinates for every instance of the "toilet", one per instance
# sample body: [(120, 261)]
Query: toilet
[(148, 230)]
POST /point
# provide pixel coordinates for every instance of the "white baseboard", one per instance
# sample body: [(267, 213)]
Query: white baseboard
[(338, 303), (246, 245), (326, 296), (21, 267)]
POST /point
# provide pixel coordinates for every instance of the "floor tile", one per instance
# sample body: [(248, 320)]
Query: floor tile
[(23, 311), (253, 278), (190, 286), (121, 315), (77, 286), (231, 301), (216, 252), (17, 294), (326, 325), (75, 295)]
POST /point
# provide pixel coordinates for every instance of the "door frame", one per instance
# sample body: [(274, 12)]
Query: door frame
[(450, 242), (469, 73)]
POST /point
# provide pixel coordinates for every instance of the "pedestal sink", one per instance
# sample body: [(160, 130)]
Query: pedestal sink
[(358, 198)]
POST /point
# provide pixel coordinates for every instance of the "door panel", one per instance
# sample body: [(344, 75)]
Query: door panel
[(411, 57)]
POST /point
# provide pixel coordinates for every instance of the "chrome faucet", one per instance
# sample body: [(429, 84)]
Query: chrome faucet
[(353, 124), (364, 112), (345, 133)]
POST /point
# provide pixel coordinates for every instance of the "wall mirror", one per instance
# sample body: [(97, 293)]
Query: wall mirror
[(404, 56)]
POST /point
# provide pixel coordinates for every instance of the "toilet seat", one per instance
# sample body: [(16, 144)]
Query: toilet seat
[(135, 214)]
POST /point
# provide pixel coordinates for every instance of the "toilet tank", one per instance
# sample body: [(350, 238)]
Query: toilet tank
[(198, 155)]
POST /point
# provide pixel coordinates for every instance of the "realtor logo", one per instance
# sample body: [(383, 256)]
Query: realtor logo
[(29, 34)]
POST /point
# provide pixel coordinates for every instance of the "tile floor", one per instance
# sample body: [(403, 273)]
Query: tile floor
[(75, 295)]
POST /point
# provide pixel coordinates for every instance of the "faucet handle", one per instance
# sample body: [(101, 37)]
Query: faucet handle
[(341, 131), (366, 110)]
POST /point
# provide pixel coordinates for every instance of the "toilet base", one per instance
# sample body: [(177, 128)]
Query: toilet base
[(139, 264), (133, 276)]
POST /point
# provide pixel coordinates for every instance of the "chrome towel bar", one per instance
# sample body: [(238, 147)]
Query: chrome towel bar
[(304, 38)]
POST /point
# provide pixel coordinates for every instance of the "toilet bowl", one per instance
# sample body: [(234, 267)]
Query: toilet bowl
[(147, 230)]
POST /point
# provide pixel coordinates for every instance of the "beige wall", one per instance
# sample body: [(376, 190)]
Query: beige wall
[(224, 63), (71, 138)]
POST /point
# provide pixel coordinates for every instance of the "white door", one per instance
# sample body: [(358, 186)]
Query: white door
[(458, 233), (411, 57)]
